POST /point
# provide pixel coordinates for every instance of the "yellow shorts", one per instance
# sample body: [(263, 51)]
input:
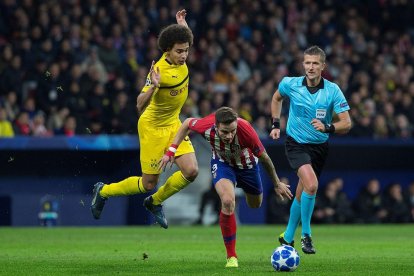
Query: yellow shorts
[(154, 142)]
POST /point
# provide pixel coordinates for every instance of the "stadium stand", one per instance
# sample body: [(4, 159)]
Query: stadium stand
[(87, 60)]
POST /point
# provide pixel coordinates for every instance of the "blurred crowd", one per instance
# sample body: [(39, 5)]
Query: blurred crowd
[(76, 67), (373, 204)]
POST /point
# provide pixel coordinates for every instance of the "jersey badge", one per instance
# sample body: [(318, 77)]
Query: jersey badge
[(320, 113)]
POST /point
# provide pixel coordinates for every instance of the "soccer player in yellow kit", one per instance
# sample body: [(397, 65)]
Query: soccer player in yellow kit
[(159, 104)]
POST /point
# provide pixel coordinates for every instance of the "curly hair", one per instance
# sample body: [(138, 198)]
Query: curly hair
[(174, 34)]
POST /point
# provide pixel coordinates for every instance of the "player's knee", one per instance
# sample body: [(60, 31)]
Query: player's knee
[(228, 204), (191, 173), (149, 185), (311, 188)]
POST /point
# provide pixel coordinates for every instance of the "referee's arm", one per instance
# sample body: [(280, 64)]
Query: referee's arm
[(344, 124), (276, 108)]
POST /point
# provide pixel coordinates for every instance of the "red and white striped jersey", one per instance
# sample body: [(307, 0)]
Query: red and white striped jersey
[(244, 150)]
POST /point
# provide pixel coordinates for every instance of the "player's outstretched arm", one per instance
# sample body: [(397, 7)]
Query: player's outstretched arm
[(169, 156), (280, 188), (180, 16)]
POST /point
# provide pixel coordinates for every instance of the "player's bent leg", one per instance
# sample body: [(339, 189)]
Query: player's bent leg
[(128, 186), (178, 180), (225, 190), (149, 181), (254, 201), (101, 192), (308, 179), (175, 183), (188, 165)]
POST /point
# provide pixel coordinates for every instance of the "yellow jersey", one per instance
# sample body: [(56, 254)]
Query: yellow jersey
[(165, 105)]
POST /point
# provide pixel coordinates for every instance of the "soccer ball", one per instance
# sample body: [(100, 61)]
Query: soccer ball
[(285, 258)]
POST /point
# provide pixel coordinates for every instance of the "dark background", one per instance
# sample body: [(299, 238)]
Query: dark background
[(69, 174)]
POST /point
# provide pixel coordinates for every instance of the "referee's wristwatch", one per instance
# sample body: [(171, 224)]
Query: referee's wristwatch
[(329, 128), (275, 123)]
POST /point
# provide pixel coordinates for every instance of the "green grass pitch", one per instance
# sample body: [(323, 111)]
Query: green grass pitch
[(196, 250)]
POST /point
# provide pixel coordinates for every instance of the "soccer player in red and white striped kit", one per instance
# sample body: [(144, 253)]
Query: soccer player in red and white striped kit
[(236, 150)]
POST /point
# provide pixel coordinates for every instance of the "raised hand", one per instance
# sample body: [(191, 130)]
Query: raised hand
[(155, 75), (180, 17)]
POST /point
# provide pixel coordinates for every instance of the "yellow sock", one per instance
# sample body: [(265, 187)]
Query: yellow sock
[(174, 184), (129, 186)]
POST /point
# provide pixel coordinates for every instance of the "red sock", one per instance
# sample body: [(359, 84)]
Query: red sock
[(228, 230)]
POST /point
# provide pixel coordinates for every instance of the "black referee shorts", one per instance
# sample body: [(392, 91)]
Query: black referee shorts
[(301, 154)]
